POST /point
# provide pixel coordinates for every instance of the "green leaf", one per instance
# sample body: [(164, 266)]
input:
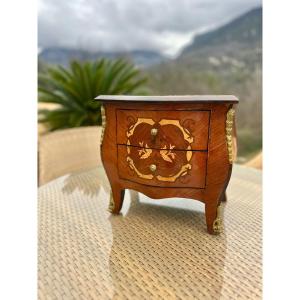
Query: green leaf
[(74, 89)]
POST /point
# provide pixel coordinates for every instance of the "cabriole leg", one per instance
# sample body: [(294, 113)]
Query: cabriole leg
[(224, 197), (213, 216)]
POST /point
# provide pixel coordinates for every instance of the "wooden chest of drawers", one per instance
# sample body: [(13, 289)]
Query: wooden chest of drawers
[(169, 146)]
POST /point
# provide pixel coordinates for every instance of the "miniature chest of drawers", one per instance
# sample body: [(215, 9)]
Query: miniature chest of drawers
[(169, 146)]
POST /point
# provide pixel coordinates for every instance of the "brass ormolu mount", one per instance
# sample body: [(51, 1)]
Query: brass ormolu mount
[(103, 118), (218, 222), (111, 205), (229, 129)]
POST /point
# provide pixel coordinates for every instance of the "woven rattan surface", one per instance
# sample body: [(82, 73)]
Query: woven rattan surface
[(156, 249), (66, 151)]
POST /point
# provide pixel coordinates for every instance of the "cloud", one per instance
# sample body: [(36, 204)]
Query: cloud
[(124, 25)]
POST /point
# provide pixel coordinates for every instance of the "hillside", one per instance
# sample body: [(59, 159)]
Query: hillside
[(245, 30), (227, 60), (62, 56)]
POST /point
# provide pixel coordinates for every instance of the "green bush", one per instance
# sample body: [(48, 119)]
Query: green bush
[(249, 144), (75, 88)]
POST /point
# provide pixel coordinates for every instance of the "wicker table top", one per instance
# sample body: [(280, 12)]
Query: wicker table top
[(157, 249)]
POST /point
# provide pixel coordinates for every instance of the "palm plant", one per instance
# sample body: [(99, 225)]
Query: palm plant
[(74, 89)]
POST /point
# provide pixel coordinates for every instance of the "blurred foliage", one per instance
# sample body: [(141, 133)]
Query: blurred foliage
[(248, 143), (74, 89)]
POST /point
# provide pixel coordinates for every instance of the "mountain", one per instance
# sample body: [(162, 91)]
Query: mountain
[(141, 58), (246, 30), (231, 53), (234, 46), (227, 60)]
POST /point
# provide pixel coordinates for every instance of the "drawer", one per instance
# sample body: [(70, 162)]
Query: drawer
[(180, 130), (165, 167)]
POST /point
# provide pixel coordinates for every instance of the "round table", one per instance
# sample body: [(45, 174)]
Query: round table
[(155, 249)]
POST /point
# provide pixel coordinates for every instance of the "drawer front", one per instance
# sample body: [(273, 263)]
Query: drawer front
[(165, 167), (180, 130)]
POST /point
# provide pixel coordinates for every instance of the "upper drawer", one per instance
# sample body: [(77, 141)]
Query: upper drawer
[(180, 130)]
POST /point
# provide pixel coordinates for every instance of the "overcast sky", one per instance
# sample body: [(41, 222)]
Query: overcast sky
[(123, 25)]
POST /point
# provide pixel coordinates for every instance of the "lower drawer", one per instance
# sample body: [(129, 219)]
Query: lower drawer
[(162, 167)]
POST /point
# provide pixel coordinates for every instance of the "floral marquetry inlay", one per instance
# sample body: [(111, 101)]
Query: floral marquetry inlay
[(184, 170), (167, 154), (166, 151), (132, 128), (186, 134), (145, 152)]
